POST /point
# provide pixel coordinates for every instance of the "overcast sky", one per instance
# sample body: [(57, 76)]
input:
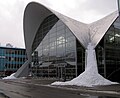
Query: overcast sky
[(11, 15)]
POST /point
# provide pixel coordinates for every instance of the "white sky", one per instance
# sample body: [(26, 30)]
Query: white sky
[(11, 15)]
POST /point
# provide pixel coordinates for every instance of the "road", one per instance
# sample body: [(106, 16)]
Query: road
[(26, 90), (38, 88)]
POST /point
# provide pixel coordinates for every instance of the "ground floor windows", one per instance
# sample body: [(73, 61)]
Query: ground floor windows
[(54, 71)]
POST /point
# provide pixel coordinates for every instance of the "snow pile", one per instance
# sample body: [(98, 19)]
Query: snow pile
[(90, 77), (87, 78), (10, 77)]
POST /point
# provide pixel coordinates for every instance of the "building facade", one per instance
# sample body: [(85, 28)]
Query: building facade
[(56, 54), (11, 59), (60, 54), (108, 51), (56, 44)]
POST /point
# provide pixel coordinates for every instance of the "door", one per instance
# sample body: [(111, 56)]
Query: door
[(61, 73)]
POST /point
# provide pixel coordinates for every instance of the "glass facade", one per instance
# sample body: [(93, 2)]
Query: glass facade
[(2, 60), (11, 59), (55, 56), (57, 52), (108, 53)]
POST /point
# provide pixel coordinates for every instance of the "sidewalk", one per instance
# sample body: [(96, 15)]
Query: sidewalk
[(110, 90)]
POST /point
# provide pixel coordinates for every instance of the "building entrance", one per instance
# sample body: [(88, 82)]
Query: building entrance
[(61, 70)]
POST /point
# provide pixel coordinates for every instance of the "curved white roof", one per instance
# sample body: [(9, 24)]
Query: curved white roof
[(35, 13)]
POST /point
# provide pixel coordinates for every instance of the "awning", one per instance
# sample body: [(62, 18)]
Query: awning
[(71, 63), (46, 64)]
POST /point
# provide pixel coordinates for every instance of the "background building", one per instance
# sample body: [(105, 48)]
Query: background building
[(11, 59)]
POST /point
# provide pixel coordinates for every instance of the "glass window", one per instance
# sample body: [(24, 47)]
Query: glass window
[(53, 30), (111, 32), (55, 47), (52, 35), (117, 40), (60, 32), (60, 23)]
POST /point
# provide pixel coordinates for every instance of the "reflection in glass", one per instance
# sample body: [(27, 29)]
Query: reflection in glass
[(56, 52), (108, 52)]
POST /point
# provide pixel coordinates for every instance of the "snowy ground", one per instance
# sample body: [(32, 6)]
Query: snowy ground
[(10, 77)]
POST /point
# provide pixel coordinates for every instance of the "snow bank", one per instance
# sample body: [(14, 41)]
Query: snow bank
[(10, 77), (90, 77), (87, 78)]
